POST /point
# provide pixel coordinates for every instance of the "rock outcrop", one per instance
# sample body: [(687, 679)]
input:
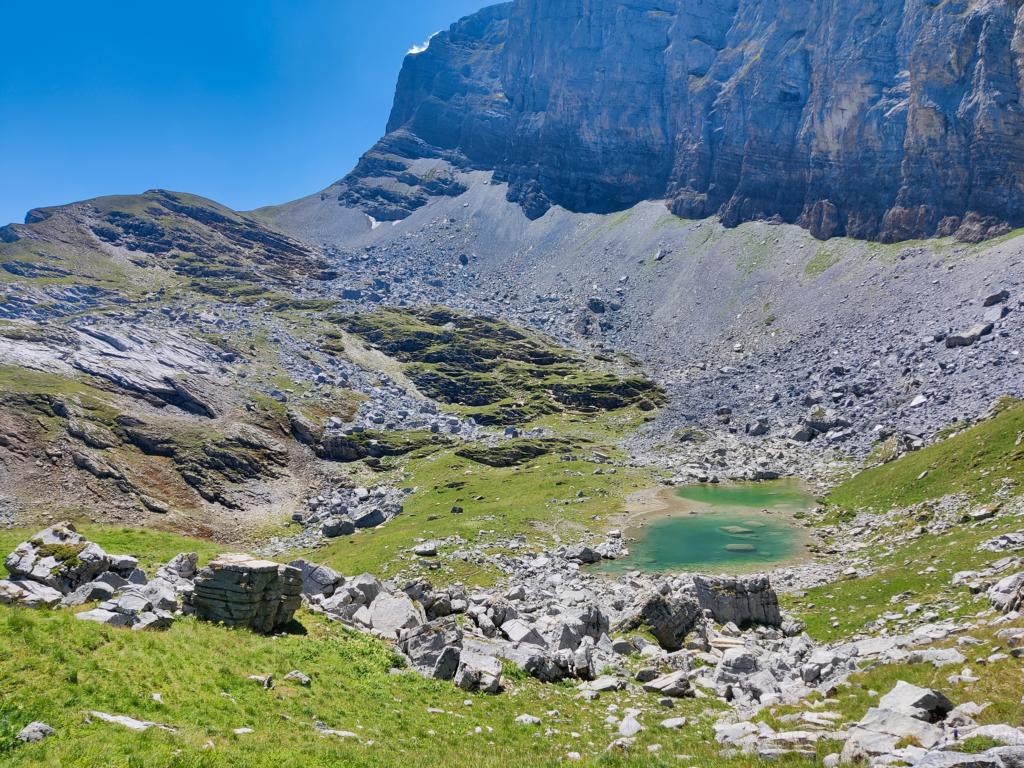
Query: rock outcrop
[(742, 601), (241, 591), (907, 714), (1008, 593), (889, 121), (58, 557)]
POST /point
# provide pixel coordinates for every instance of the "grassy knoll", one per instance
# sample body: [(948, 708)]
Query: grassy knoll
[(922, 568), (977, 462)]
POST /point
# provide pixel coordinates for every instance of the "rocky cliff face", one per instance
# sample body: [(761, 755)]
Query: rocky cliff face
[(876, 119)]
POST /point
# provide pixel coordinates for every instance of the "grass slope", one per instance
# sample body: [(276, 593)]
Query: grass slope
[(979, 461), (57, 669), (538, 499)]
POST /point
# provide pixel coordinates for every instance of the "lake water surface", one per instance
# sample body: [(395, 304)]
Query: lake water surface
[(717, 527)]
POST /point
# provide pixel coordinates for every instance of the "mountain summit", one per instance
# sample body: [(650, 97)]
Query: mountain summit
[(881, 120)]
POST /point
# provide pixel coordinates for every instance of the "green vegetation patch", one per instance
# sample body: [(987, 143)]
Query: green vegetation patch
[(820, 263), (511, 453), (492, 371), (65, 554), (920, 569), (153, 547), (553, 494), (977, 461)]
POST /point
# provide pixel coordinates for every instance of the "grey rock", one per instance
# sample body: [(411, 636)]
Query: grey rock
[(434, 648), (367, 586), (29, 594), (519, 632), (724, 143), (342, 525), (240, 591), (87, 593), (879, 731), (299, 677), (35, 731), (58, 557), (478, 672), (995, 298), (105, 616), (390, 614), (674, 684), (151, 620), (968, 337), (938, 759), (670, 619), (425, 549), (317, 579), (1008, 593), (180, 569), (741, 600)]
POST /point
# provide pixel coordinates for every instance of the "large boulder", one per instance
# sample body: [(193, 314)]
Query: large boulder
[(967, 337), (670, 618), (180, 570), (1008, 594), (735, 665), (434, 648), (519, 631), (58, 557), (907, 714), (742, 600), (674, 684), (941, 759), (922, 703), (94, 591), (391, 613), (881, 730), (241, 591), (317, 579), (29, 594)]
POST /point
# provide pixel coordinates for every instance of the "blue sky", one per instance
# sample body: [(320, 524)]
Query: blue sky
[(249, 103)]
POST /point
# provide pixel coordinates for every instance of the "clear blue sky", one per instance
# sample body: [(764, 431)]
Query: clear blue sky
[(249, 103)]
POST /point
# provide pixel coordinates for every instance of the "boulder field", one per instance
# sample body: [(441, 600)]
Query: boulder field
[(716, 636)]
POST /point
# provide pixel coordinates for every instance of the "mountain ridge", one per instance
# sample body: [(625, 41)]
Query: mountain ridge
[(886, 121)]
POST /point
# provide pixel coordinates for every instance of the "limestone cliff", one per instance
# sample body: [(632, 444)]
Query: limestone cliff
[(877, 119)]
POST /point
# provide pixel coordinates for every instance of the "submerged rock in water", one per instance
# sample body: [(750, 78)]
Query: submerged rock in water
[(736, 529)]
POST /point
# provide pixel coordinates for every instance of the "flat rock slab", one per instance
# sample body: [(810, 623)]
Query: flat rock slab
[(130, 723)]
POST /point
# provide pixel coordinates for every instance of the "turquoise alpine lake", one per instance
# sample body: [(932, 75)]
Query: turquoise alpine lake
[(718, 527)]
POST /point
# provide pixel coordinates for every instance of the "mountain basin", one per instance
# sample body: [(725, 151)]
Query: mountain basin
[(714, 527)]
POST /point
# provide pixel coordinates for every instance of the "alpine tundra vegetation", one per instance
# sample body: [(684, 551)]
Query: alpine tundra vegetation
[(650, 394)]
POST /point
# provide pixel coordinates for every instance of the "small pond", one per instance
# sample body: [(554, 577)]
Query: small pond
[(718, 527)]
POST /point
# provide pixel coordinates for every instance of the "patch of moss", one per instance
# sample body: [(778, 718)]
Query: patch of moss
[(64, 554)]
